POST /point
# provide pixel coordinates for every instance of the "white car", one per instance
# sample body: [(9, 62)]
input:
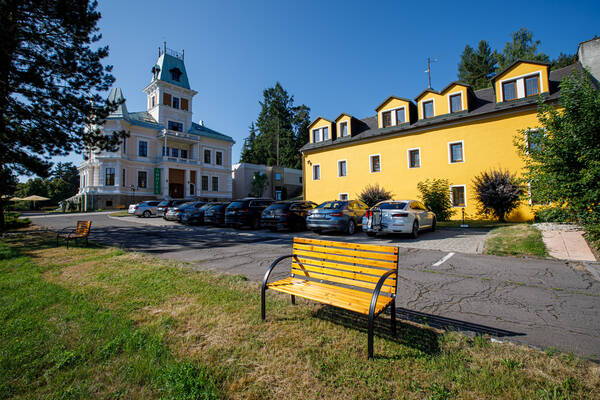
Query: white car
[(144, 209), (398, 216)]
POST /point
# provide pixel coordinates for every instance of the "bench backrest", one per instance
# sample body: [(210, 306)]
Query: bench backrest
[(348, 264), (83, 227)]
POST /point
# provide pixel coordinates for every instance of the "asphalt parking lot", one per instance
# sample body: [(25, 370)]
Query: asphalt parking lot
[(444, 280)]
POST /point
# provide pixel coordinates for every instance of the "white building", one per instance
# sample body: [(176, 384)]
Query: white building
[(166, 155), (282, 183)]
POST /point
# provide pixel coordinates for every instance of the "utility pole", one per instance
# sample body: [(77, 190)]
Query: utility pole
[(428, 70)]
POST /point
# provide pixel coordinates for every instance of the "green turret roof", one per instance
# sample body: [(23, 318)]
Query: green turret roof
[(171, 69)]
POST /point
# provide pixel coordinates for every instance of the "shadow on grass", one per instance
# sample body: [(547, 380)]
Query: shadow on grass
[(22, 242), (423, 339)]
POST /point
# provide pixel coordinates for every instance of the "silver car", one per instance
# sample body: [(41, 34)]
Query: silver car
[(144, 209), (339, 215), (174, 213), (398, 216)]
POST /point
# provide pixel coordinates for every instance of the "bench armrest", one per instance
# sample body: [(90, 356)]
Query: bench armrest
[(378, 290), (271, 267), (65, 230)]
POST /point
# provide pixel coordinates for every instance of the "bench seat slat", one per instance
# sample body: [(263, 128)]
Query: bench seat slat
[(345, 281), (349, 299), (346, 252), (391, 281), (367, 272), (357, 246), (334, 257)]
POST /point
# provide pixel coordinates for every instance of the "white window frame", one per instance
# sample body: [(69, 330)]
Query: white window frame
[(347, 128), (328, 133), (462, 102), (212, 179), (520, 85), (394, 120), (222, 158), (338, 168), (317, 136), (462, 143), (211, 156), (452, 198), (371, 163), (313, 172), (408, 157), (423, 108), (137, 178), (343, 194)]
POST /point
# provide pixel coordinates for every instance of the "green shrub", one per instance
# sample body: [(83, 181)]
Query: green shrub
[(592, 234), (373, 194), (436, 196), (498, 192), (554, 214)]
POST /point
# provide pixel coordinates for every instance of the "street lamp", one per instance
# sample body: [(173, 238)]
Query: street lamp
[(132, 192)]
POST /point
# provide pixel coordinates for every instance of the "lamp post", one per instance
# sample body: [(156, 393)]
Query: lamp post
[(132, 193)]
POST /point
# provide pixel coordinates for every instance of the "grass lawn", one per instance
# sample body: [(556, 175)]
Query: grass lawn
[(517, 240), (474, 223), (122, 213), (99, 322)]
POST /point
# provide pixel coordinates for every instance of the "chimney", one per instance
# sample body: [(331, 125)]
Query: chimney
[(589, 56)]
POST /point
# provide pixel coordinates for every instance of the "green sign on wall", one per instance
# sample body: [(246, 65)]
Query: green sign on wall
[(156, 180)]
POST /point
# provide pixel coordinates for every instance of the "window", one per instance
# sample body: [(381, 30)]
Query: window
[(153, 101), (343, 129), (165, 151), (108, 203), (532, 85), (456, 103), (342, 168), (215, 183), (124, 146), (316, 135), (509, 90), (143, 148), (534, 139), (110, 177), (375, 163), (206, 156), (400, 116), (277, 176), (428, 109), (175, 126), (343, 196), (456, 152), (414, 158), (457, 194), (219, 158), (184, 153), (142, 177), (316, 172), (176, 102), (204, 182), (386, 119), (174, 152), (175, 74), (325, 133), (123, 178)]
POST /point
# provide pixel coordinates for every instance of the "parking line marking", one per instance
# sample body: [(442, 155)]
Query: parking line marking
[(443, 260)]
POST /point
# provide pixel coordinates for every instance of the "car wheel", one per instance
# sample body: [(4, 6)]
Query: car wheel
[(147, 214), (415, 230), (351, 227), (433, 225), (371, 234)]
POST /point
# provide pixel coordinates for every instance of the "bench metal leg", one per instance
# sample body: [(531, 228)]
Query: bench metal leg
[(293, 299), (393, 317)]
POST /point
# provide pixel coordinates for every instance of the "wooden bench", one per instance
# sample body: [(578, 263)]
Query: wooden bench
[(82, 231), (356, 277)]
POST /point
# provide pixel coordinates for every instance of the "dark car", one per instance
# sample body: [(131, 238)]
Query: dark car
[(196, 215), (340, 215), (286, 215), (246, 212), (163, 206), (176, 213), (215, 215)]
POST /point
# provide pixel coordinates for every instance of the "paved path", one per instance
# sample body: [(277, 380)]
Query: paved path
[(567, 245), (539, 302)]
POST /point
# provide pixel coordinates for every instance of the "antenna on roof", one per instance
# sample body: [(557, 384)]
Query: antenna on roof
[(428, 70)]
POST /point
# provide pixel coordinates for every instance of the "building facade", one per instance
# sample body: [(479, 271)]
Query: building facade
[(166, 155), (282, 183), (454, 134)]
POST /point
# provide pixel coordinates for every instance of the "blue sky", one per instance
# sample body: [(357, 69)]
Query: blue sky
[(334, 56)]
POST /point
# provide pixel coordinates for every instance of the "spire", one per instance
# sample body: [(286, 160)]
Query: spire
[(115, 96)]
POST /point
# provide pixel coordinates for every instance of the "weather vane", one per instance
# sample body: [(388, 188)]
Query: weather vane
[(428, 70)]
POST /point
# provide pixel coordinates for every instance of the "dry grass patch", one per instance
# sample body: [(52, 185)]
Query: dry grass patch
[(515, 240)]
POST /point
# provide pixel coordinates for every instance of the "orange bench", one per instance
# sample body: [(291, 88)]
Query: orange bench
[(356, 277), (82, 231)]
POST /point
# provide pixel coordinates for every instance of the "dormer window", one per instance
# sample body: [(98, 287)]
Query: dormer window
[(455, 103), (316, 135), (532, 85), (343, 129), (320, 134), (175, 74), (509, 90), (400, 116), (428, 109), (386, 117)]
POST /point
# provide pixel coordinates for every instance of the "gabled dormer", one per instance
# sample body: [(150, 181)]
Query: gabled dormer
[(395, 111), (455, 98), (347, 125), (521, 79), (321, 130), (429, 104)]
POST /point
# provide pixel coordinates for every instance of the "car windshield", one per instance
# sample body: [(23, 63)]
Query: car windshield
[(278, 206), (163, 203), (331, 205), (236, 204), (184, 205), (206, 206), (392, 206)]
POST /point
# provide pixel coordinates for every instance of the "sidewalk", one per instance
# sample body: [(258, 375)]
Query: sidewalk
[(565, 242)]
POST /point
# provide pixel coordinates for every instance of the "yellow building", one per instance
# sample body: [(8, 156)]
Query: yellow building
[(453, 134)]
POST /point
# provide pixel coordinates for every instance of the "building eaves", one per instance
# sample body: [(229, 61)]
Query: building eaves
[(202, 130)]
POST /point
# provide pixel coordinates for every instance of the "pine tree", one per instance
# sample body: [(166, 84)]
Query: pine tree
[(51, 81), (247, 155), (522, 46), (477, 66)]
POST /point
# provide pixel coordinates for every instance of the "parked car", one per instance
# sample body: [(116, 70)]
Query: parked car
[(215, 215), (175, 213), (398, 216), (340, 215), (246, 212), (144, 209), (196, 215), (286, 215), (164, 205)]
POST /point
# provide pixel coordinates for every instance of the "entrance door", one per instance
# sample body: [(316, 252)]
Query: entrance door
[(176, 182)]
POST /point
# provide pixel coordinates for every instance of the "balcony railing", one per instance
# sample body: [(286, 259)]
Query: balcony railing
[(179, 160), (179, 135)]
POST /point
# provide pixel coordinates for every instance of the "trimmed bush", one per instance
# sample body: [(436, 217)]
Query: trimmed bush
[(435, 194), (373, 194), (498, 192), (554, 214)]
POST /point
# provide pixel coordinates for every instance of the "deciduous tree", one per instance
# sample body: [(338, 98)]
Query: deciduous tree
[(522, 46)]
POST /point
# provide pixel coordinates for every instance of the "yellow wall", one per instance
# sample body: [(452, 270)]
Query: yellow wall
[(343, 118), (520, 70), (488, 143), (392, 104), (452, 90), (320, 123), (438, 104)]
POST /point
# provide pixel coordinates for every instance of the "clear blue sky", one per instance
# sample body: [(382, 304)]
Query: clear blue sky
[(334, 56)]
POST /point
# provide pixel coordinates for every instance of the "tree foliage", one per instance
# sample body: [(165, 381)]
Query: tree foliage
[(280, 124), (258, 184), (563, 60), (373, 194), (477, 66), (435, 194), (522, 46), (498, 192), (50, 83), (562, 160)]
